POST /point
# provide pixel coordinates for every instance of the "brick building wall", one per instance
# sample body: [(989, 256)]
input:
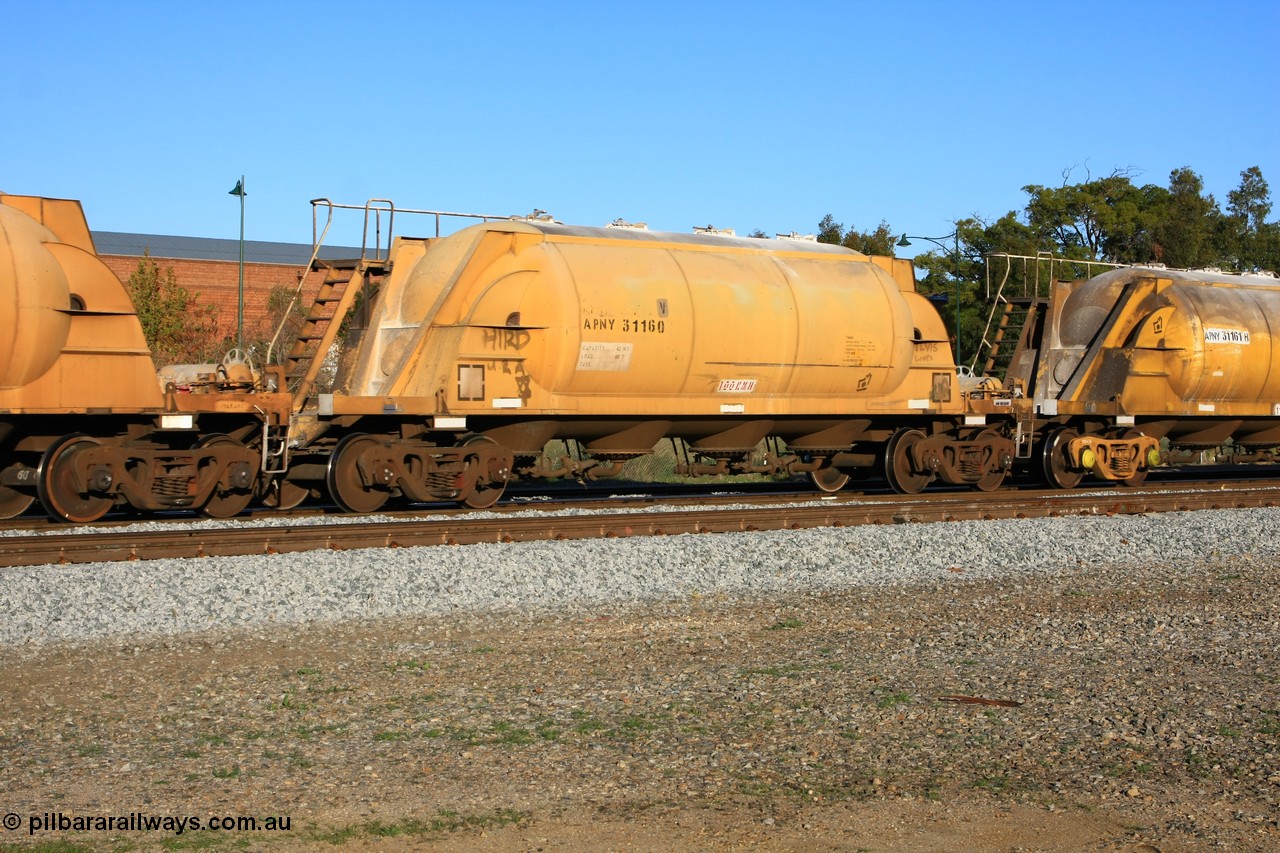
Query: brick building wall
[(216, 283)]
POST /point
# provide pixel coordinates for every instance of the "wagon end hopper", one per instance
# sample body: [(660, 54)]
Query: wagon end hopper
[(538, 319), (1140, 354), (85, 424), (69, 335)]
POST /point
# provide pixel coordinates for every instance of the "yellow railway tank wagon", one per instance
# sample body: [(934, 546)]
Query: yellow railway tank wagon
[(1138, 354), (484, 345), (84, 423)]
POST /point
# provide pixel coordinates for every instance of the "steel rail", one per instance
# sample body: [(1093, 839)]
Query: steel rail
[(463, 530)]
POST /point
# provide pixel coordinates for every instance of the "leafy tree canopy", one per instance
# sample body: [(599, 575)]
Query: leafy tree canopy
[(1100, 219), (178, 329), (877, 242), (1180, 225)]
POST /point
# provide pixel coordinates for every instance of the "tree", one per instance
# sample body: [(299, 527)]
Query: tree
[(830, 231), (1183, 232), (1251, 201), (284, 309), (1251, 239), (1108, 219), (178, 330), (877, 242), (953, 268), (1094, 220)]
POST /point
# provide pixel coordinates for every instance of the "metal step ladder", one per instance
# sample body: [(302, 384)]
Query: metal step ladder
[(343, 281), (1001, 344)]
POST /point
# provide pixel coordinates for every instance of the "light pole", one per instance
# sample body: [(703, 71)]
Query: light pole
[(239, 190), (955, 259)]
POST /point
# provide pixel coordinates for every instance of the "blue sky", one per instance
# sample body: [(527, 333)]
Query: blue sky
[(745, 115)]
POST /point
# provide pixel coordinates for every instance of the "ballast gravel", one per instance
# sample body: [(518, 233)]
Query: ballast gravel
[(44, 604), (1100, 684)]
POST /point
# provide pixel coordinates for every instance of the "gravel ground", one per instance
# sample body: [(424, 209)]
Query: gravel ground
[(773, 691), (98, 600)]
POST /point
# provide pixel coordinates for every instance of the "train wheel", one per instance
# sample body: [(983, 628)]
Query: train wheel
[(1139, 476), (283, 494), (55, 483), (897, 463), (829, 480), (991, 480), (346, 486), (1057, 467), (486, 492), (225, 503)]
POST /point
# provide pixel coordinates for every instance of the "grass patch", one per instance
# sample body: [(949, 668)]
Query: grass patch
[(444, 822), (995, 784), (200, 841), (1195, 764), (785, 625), (212, 740), (638, 724), (507, 734), (418, 666), (774, 671), (893, 699), (290, 702)]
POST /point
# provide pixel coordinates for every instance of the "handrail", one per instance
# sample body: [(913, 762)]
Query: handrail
[(376, 206), (317, 242), (372, 204), (986, 344), (1042, 261)]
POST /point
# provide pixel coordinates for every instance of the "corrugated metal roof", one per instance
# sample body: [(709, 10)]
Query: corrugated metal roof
[(212, 249)]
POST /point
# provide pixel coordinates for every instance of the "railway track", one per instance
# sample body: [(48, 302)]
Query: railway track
[(719, 515)]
